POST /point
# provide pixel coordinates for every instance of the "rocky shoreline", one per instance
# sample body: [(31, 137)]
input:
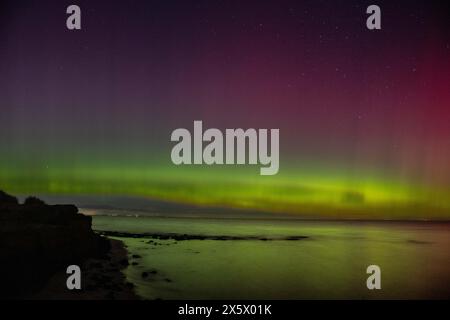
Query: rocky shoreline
[(102, 279), (184, 237), (39, 241)]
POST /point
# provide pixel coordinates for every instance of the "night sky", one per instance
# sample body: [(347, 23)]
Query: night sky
[(364, 115)]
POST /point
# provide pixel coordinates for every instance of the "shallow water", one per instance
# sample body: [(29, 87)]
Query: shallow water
[(331, 263)]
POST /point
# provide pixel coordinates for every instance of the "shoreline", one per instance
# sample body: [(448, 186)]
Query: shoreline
[(101, 279), (184, 237)]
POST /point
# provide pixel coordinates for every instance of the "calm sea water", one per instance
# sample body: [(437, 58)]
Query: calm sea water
[(330, 264)]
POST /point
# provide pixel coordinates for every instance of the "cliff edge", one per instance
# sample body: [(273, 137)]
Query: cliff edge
[(38, 240)]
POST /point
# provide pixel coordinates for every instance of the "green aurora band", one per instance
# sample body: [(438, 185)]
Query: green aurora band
[(309, 193)]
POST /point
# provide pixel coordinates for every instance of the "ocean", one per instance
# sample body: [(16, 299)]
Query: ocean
[(281, 258)]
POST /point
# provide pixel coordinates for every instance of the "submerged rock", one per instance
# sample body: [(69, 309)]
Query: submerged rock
[(184, 237)]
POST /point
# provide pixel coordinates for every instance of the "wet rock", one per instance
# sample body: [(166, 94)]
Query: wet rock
[(293, 238), (124, 262), (184, 237)]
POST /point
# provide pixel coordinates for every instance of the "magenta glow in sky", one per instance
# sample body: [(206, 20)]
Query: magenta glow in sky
[(345, 98)]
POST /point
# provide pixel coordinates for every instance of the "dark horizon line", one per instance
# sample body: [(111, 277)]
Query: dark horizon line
[(276, 218)]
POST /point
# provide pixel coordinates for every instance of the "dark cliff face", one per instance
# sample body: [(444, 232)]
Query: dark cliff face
[(37, 240)]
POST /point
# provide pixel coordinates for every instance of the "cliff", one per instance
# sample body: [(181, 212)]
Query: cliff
[(37, 240)]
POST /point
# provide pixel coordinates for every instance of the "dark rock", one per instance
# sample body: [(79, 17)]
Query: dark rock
[(51, 237), (183, 237), (33, 201), (124, 262), (146, 274), (110, 296), (6, 199), (296, 238), (95, 265)]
